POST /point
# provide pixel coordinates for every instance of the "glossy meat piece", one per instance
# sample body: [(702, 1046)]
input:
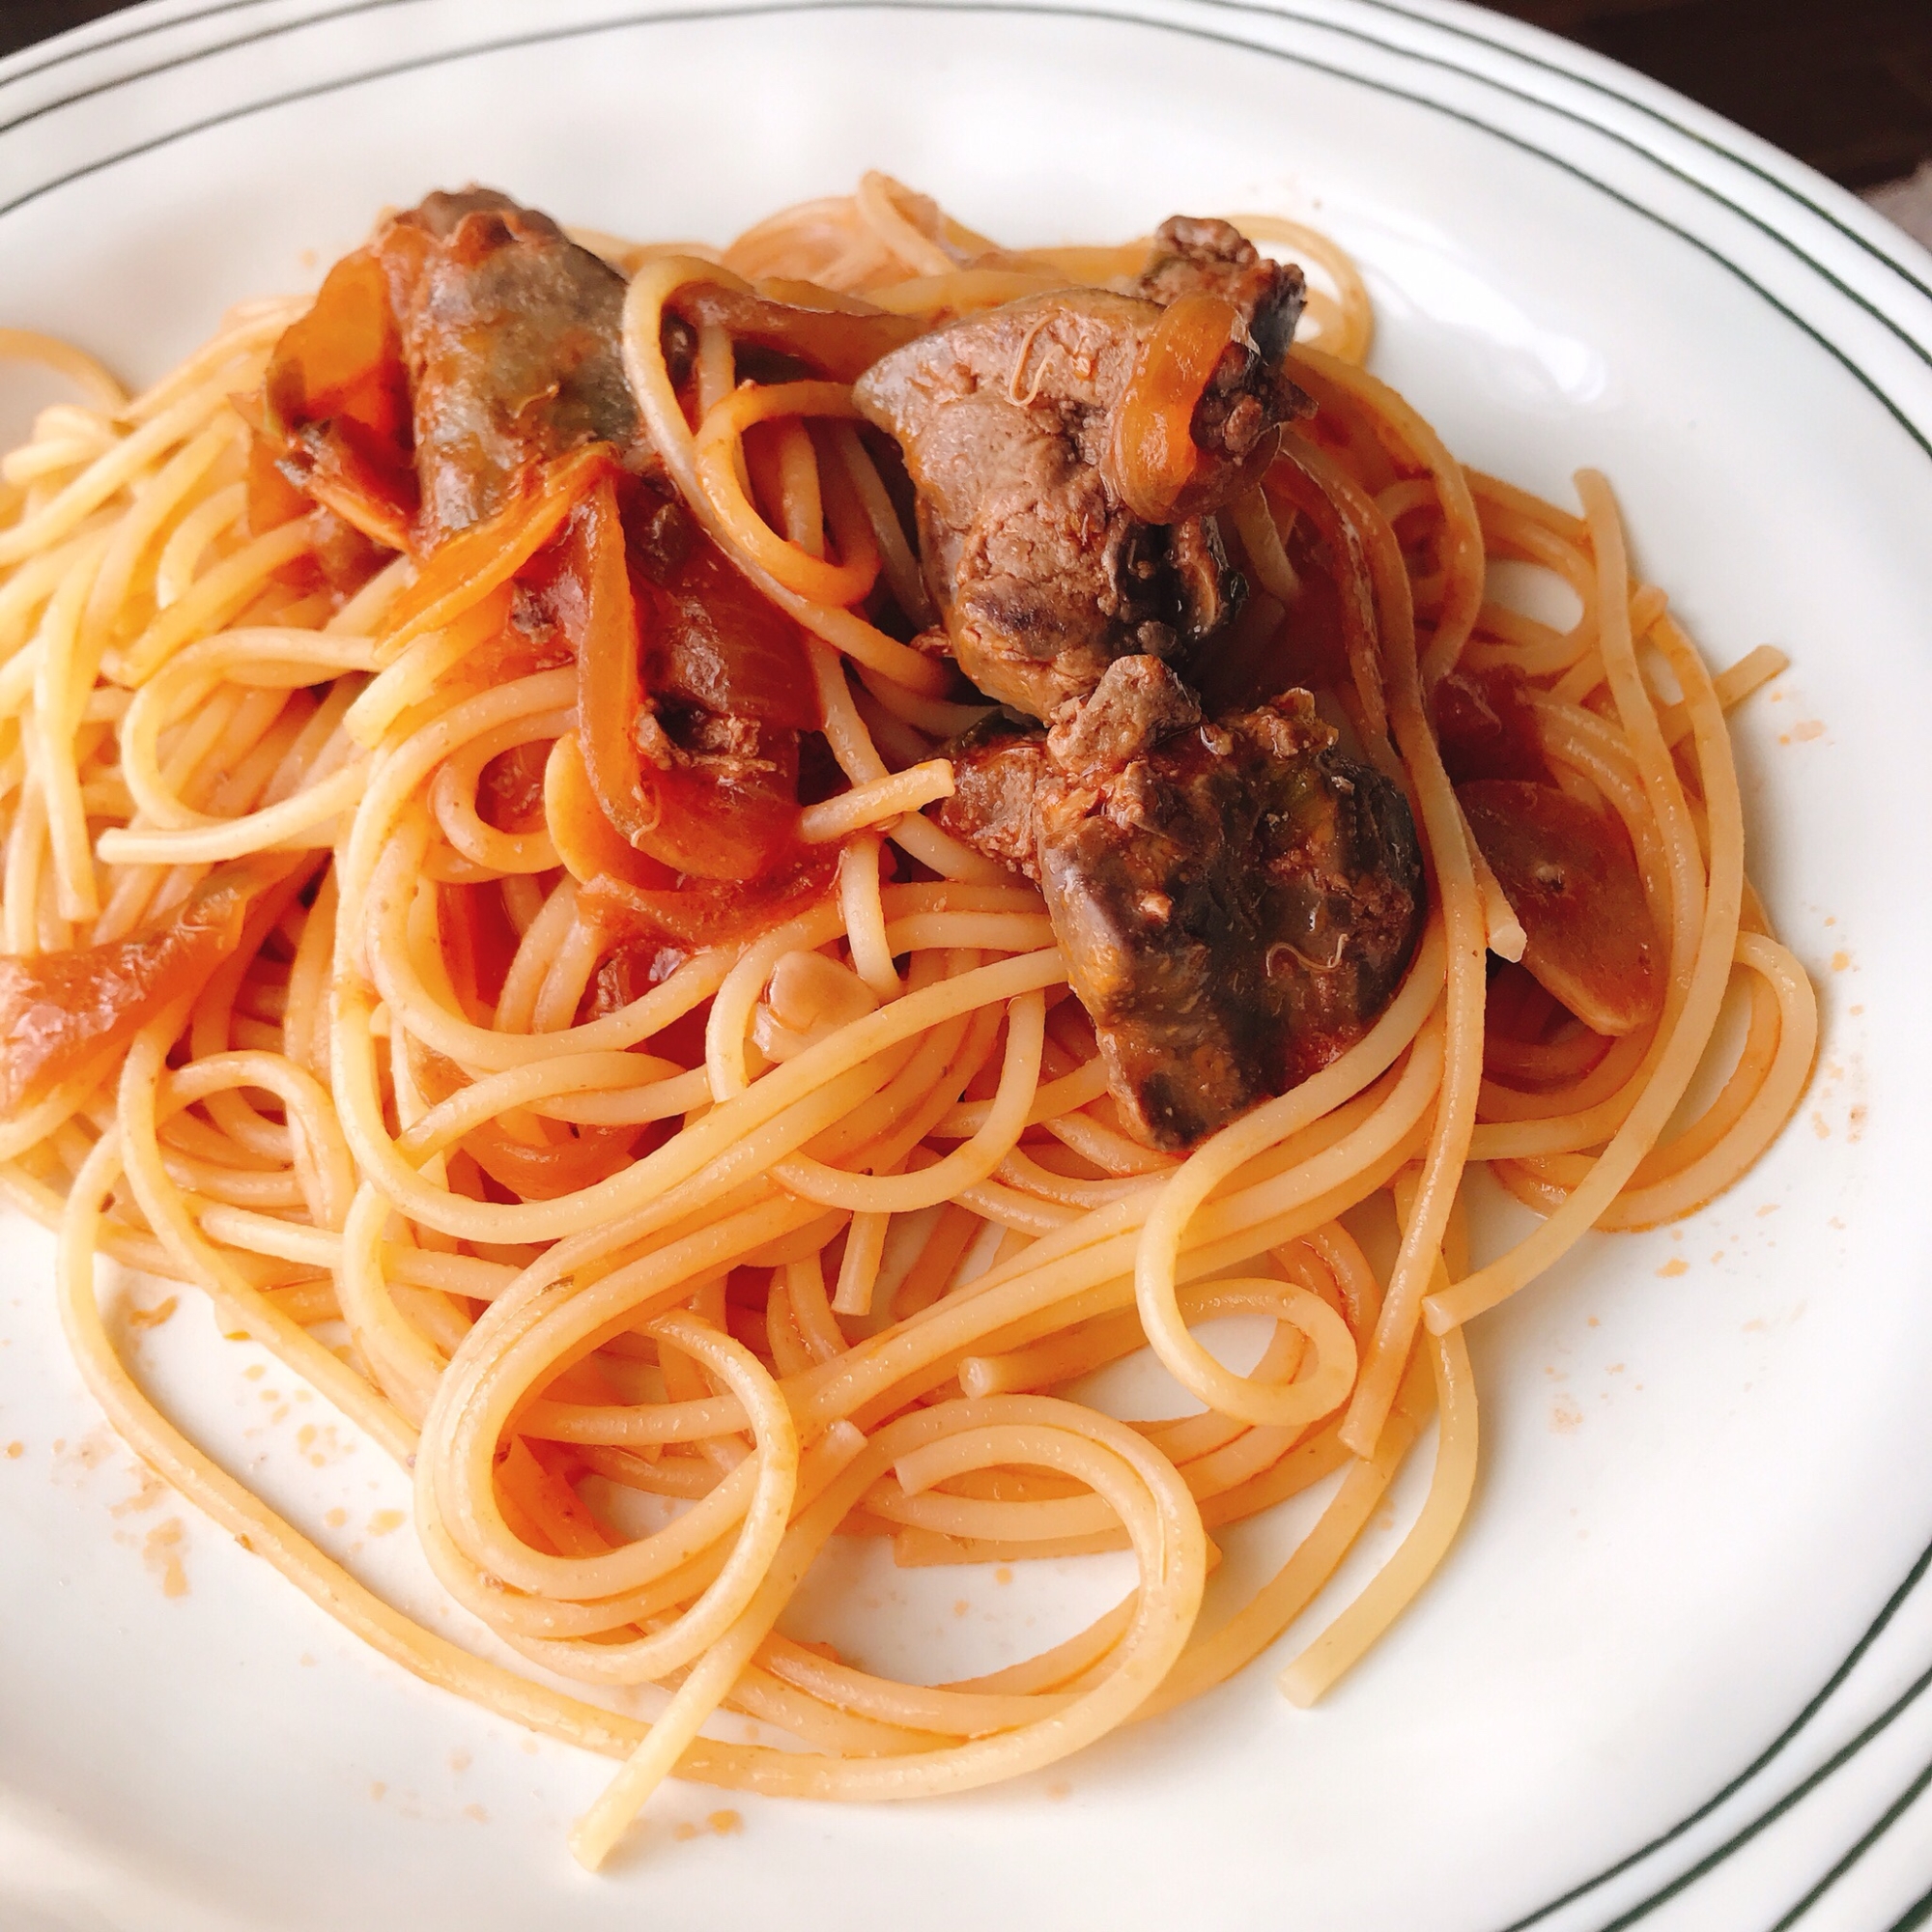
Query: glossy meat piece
[(1010, 423), (509, 336), (713, 642), (1137, 702), (1193, 256), (1237, 899)]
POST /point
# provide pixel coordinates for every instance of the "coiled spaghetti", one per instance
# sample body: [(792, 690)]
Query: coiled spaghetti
[(816, 1231)]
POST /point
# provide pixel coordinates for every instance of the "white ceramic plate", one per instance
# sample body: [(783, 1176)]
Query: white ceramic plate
[(1671, 1671)]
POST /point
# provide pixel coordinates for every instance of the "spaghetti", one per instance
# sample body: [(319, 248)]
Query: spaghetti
[(753, 1154)]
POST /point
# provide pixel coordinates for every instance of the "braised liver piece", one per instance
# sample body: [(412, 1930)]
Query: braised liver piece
[(1237, 899), (1009, 421), (1195, 256), (510, 338)]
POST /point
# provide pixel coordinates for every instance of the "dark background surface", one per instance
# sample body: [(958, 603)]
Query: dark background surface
[(1843, 84)]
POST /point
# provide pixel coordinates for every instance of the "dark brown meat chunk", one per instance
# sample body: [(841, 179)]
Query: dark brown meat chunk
[(1009, 420), (1137, 702), (1192, 256), (510, 338), (1237, 899)]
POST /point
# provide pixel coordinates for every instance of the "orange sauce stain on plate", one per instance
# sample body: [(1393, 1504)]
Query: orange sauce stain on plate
[(162, 1553)]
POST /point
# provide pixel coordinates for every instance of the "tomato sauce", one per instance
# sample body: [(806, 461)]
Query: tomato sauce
[(65, 1012), (1487, 729), (1571, 877)]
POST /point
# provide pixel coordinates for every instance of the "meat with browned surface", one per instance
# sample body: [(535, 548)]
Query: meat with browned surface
[(1237, 899), (1194, 255), (1026, 431), (510, 336)]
